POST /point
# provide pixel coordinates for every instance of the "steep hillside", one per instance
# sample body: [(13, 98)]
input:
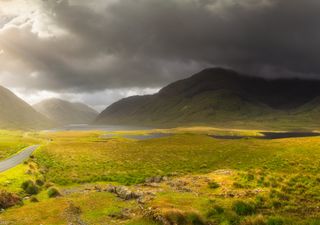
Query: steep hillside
[(222, 97), (17, 114), (64, 112)]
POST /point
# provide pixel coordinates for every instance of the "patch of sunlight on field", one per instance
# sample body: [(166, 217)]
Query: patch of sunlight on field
[(46, 212), (80, 157), (96, 209), (12, 179)]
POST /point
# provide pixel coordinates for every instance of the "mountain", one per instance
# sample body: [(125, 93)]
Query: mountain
[(17, 114), (222, 97), (64, 112)]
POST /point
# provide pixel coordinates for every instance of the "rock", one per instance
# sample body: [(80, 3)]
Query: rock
[(223, 172), (123, 192), (111, 189), (156, 179)]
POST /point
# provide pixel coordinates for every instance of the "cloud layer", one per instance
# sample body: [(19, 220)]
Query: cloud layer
[(76, 46)]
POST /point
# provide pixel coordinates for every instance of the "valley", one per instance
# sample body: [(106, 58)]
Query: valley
[(159, 112), (187, 177)]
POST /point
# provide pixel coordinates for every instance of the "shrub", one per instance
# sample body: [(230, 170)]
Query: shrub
[(259, 220), (249, 177), (182, 218), (237, 185), (276, 204), (39, 182), (194, 219), (53, 192), (30, 187), (213, 185), (34, 199), (243, 208), (8, 199), (260, 200), (275, 221), (48, 185), (216, 210)]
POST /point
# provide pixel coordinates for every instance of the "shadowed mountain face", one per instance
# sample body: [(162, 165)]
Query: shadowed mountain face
[(64, 112), (222, 97), (17, 114)]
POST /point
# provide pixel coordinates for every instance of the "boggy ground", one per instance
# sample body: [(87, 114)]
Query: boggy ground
[(185, 178)]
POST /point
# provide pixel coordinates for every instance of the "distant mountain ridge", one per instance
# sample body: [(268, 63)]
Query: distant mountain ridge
[(64, 112), (220, 96), (17, 114)]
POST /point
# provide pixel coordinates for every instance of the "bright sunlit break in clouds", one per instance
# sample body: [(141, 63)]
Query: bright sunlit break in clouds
[(100, 51)]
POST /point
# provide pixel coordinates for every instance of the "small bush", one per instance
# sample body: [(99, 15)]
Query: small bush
[(8, 199), (259, 220), (249, 177), (275, 221), (30, 187), (213, 185), (39, 182), (243, 208), (53, 192), (194, 219), (178, 217), (276, 204), (34, 199), (260, 200), (48, 185), (237, 185), (216, 210)]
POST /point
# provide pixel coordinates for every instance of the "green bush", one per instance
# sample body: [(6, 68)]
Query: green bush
[(53, 192), (39, 182), (215, 210), (243, 208), (275, 221), (249, 177), (177, 217), (213, 185), (34, 199), (258, 220), (194, 219), (30, 187)]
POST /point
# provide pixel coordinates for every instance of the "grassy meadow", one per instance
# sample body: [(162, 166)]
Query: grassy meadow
[(185, 178), (12, 142)]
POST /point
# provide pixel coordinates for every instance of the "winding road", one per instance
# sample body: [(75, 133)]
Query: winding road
[(17, 159)]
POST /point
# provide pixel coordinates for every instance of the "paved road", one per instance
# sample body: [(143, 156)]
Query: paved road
[(17, 159)]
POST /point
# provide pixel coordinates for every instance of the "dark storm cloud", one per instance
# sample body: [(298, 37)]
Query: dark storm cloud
[(148, 43)]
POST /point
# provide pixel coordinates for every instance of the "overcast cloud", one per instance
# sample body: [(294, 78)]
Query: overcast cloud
[(99, 51)]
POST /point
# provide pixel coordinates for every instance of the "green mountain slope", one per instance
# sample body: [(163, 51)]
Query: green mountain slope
[(17, 114), (64, 112), (225, 98)]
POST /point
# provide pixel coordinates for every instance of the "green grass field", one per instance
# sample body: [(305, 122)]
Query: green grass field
[(12, 142), (209, 181)]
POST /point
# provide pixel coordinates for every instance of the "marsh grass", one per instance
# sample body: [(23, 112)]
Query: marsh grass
[(81, 158), (266, 182)]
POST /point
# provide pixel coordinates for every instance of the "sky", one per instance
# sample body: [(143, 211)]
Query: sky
[(100, 51)]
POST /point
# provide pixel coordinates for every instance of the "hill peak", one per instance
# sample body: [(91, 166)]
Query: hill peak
[(215, 94), (65, 112), (16, 113)]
